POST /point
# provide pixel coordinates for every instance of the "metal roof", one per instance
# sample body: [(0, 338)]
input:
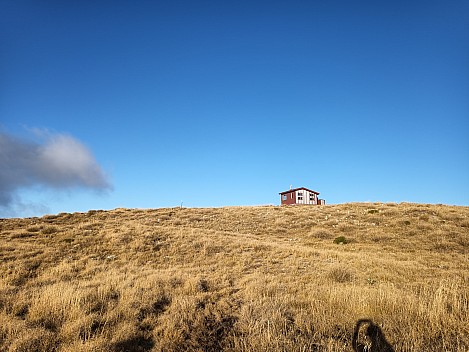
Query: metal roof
[(297, 189)]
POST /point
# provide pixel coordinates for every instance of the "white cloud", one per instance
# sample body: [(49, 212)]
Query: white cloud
[(60, 162)]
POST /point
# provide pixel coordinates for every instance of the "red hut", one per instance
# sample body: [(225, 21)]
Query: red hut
[(300, 195)]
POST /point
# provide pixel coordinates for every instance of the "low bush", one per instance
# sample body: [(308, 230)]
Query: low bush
[(340, 240)]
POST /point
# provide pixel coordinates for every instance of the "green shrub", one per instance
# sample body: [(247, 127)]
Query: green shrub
[(341, 240)]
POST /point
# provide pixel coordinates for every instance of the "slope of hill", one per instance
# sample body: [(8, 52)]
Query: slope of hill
[(236, 278)]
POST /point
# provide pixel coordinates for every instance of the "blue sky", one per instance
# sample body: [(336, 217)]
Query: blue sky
[(216, 103)]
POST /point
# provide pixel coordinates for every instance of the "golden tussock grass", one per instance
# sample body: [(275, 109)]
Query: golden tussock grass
[(236, 278)]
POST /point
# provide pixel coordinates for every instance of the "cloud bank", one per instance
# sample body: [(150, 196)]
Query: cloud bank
[(60, 162)]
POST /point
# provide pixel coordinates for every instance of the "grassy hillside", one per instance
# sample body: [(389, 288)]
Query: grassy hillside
[(235, 279)]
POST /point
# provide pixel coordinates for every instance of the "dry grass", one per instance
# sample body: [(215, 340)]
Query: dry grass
[(235, 279)]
